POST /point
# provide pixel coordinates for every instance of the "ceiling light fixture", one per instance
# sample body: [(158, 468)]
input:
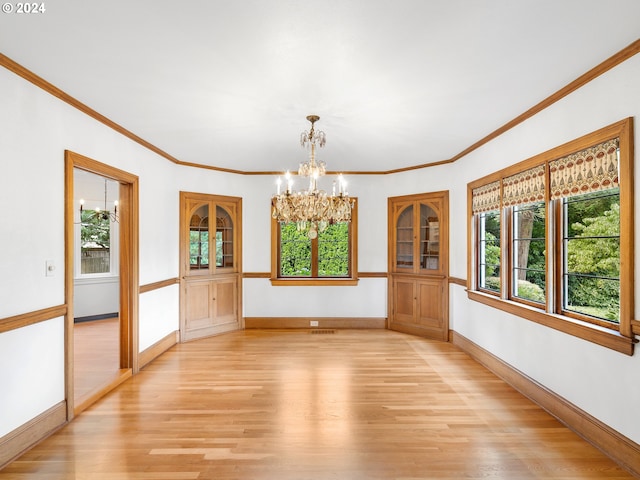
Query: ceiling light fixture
[(312, 209), (99, 214)]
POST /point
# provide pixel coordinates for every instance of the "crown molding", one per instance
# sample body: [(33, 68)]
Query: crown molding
[(611, 62)]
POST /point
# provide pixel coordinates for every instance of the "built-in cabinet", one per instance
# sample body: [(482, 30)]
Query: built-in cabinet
[(210, 248), (419, 264)]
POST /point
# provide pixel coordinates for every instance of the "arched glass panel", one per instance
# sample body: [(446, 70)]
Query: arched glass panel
[(199, 239), (224, 238), (429, 238), (404, 239)]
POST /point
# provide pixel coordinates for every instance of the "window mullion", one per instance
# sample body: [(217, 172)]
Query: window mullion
[(552, 244), (505, 253), (314, 257)]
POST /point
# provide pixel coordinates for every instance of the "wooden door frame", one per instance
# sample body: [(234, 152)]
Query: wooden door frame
[(129, 273)]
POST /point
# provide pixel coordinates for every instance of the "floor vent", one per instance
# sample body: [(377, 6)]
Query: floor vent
[(323, 331)]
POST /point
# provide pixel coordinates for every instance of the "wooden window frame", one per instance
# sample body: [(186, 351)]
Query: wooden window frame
[(351, 280), (617, 337)]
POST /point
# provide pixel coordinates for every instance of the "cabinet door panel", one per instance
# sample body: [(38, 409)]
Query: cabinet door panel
[(430, 312), (405, 300), (226, 301), (198, 303)]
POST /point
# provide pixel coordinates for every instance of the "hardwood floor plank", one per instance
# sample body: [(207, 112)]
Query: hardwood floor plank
[(357, 404)]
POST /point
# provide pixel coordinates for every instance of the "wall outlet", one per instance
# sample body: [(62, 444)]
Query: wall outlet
[(313, 323)]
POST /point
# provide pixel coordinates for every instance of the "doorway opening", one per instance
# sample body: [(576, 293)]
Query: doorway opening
[(96, 273), (101, 279)]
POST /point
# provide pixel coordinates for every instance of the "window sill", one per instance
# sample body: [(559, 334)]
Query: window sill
[(313, 282), (593, 333)]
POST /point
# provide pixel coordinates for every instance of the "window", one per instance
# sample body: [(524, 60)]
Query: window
[(567, 260), (591, 255), (96, 230), (328, 259), (528, 266), (95, 243), (489, 251)]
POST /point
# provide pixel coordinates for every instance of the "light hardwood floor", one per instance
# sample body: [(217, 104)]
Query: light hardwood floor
[(96, 355), (285, 405)]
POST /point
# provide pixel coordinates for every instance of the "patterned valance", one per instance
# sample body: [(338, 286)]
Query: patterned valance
[(592, 169), (524, 187), (486, 198)]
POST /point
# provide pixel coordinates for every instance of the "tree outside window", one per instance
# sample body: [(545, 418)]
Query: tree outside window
[(324, 256)]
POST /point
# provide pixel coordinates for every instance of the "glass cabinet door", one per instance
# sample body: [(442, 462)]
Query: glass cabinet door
[(199, 239), (429, 238), (404, 239), (224, 238)]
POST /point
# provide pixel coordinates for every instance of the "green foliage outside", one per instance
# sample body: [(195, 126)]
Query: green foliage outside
[(95, 241), (333, 251), (332, 248), (492, 251), (95, 231), (530, 291), (295, 252)]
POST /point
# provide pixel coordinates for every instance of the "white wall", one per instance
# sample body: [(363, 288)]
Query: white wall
[(32, 372), (96, 296)]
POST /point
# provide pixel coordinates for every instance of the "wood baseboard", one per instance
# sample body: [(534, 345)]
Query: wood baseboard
[(618, 447), (93, 396), (323, 322), (34, 431), (157, 349)]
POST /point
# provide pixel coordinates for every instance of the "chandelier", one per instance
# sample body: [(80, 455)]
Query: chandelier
[(312, 210), (99, 214)]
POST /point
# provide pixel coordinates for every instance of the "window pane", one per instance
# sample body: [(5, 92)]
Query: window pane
[(295, 252), (199, 239), (224, 238), (591, 267), (529, 259), (333, 251), (489, 251), (429, 238), (597, 297), (95, 232)]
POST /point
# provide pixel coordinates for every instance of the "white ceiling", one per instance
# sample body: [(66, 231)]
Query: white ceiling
[(397, 83)]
